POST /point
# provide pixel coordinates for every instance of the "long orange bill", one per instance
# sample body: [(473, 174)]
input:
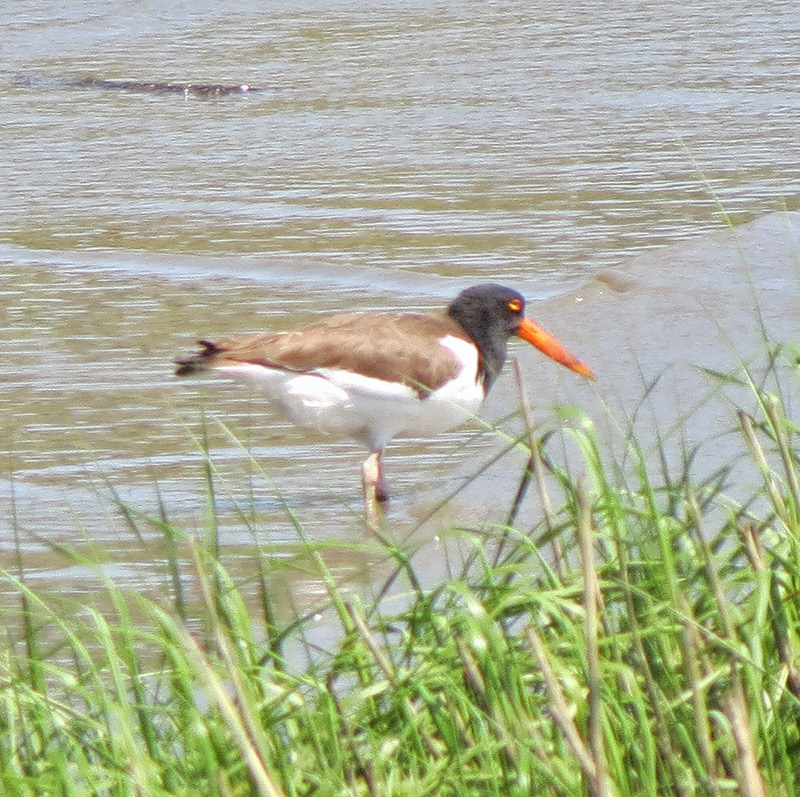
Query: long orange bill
[(552, 347)]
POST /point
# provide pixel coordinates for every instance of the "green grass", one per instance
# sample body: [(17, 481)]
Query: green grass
[(640, 639)]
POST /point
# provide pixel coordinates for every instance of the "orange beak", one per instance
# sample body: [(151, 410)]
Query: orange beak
[(547, 343)]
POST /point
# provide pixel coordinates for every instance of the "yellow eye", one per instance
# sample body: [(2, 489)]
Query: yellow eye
[(515, 305)]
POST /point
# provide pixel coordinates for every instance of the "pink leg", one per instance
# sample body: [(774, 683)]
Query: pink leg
[(373, 480)]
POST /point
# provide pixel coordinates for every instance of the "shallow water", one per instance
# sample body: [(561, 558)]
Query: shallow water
[(398, 152)]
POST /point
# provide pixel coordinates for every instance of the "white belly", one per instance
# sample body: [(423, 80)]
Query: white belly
[(369, 410)]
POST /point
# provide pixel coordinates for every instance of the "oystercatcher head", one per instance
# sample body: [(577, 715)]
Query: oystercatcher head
[(375, 376)]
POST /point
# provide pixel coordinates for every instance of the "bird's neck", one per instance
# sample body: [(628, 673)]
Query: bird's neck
[(492, 357), (491, 349)]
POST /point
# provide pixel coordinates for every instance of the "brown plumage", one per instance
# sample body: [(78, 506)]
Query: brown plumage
[(395, 347)]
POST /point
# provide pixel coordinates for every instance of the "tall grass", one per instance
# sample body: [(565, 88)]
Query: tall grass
[(640, 639)]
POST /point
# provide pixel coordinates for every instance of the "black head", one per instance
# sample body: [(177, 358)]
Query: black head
[(490, 314), (488, 307)]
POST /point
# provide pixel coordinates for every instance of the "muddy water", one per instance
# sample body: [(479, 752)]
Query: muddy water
[(398, 152)]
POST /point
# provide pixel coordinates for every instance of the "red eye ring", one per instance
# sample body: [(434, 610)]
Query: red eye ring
[(515, 305)]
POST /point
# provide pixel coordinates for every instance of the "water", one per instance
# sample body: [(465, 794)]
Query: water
[(399, 151)]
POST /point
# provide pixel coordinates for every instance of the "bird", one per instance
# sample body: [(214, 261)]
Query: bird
[(375, 376)]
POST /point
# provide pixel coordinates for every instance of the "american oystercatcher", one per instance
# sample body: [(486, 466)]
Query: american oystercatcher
[(371, 377)]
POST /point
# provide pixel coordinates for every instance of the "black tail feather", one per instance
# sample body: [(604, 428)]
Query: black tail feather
[(197, 363)]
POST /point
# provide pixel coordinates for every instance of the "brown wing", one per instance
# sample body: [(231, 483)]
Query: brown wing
[(396, 347)]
